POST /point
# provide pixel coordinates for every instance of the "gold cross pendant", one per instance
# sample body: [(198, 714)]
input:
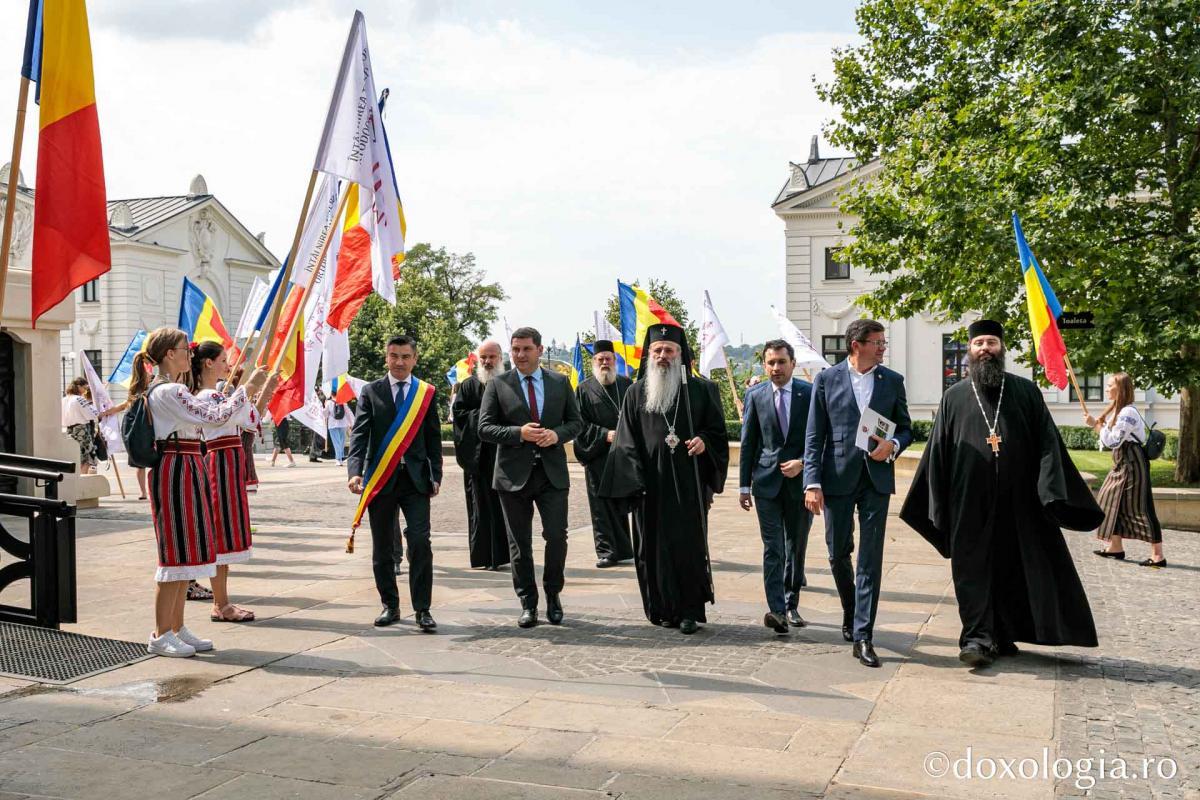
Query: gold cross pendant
[(994, 440)]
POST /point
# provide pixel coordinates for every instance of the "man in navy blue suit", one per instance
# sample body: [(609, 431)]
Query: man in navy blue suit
[(772, 460), (840, 478)]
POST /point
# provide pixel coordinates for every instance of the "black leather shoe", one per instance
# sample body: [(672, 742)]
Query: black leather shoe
[(688, 626), (794, 619), (528, 618), (554, 612), (976, 655), (1150, 562), (865, 653), (606, 562), (775, 622), (847, 633), (425, 622), (1007, 649), (1119, 555), (387, 617)]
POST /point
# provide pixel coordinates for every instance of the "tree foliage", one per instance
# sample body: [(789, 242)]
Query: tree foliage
[(1081, 115), (443, 300)]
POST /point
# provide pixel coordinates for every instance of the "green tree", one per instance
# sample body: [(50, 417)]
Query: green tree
[(443, 300), (1081, 115)]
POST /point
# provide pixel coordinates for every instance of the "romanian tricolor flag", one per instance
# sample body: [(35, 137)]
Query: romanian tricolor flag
[(638, 312), (344, 388), (462, 370), (289, 392), (123, 372), (200, 320), (576, 364), (405, 428), (70, 219), (1044, 311)]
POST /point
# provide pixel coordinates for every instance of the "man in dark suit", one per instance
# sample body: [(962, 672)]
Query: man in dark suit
[(416, 479), (530, 413), (771, 463), (839, 477)]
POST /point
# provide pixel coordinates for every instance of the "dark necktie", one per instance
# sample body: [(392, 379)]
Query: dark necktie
[(781, 412), (533, 410)]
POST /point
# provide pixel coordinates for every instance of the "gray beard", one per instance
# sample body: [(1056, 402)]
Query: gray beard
[(605, 375), (484, 374), (987, 373), (662, 387)]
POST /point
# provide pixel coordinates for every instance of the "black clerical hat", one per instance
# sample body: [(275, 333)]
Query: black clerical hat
[(985, 327), (602, 346), (662, 332)]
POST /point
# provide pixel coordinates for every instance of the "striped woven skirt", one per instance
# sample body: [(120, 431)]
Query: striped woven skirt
[(180, 506), (226, 462), (1126, 498)]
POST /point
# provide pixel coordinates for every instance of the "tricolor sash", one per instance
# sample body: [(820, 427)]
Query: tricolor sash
[(405, 427)]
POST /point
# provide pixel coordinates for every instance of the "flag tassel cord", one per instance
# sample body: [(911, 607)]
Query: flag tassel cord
[(14, 175), (1075, 383), (312, 278), (277, 301), (733, 386)]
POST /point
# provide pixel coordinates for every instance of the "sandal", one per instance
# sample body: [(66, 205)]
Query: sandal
[(197, 592), (232, 613)]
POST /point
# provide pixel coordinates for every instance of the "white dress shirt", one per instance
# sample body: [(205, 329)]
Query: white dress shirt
[(398, 397), (863, 384)]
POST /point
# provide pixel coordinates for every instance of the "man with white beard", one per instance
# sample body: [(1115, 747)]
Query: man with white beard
[(671, 451), (487, 540), (600, 398)]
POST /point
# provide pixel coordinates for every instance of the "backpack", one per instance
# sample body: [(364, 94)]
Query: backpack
[(137, 432), (339, 411), (1156, 442)]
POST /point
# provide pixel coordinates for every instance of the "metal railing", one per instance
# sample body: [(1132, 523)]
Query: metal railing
[(47, 559)]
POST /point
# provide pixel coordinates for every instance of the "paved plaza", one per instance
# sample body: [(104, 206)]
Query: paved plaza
[(311, 701)]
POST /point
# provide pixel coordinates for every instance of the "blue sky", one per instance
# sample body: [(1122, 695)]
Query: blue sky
[(566, 144)]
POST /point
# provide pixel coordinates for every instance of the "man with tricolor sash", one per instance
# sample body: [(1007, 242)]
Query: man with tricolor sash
[(395, 462)]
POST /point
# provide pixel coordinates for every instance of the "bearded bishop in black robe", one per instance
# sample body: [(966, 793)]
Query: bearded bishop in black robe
[(649, 459), (600, 406), (486, 536), (994, 489)]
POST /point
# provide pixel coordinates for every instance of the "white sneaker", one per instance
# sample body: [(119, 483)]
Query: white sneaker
[(291, 464), (189, 638), (169, 645)]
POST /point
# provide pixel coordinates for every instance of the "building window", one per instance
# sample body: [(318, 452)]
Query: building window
[(97, 359), (954, 361), (833, 348), (835, 268), (1092, 386), (91, 291)]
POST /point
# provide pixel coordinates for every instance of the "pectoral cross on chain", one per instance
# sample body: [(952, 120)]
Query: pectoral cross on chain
[(994, 440)]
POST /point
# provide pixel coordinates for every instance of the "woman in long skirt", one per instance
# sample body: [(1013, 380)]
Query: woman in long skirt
[(1126, 495), (226, 461), (179, 499)]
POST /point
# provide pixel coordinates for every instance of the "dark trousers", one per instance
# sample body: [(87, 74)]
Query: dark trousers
[(784, 523), (610, 521), (518, 508), (858, 587), (382, 512)]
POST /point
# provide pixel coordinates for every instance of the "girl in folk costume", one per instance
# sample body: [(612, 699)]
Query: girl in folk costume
[(1126, 495), (179, 499), (225, 459)]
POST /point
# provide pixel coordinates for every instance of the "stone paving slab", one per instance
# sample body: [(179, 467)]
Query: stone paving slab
[(313, 701)]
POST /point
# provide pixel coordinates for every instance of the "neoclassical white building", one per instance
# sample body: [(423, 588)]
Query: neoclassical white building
[(156, 242), (823, 293)]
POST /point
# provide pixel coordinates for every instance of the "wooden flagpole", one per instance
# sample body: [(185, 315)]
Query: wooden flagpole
[(1075, 383), (286, 278), (117, 472), (308, 286), (733, 386), (14, 177)]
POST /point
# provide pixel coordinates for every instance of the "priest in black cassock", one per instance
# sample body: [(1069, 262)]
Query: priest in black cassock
[(600, 398), (993, 491), (486, 537), (671, 450)]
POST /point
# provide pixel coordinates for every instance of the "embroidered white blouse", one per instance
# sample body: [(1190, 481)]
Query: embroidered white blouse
[(244, 419), (1127, 425), (176, 410), (77, 410)]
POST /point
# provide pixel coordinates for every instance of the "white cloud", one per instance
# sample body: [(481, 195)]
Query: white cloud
[(561, 164)]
